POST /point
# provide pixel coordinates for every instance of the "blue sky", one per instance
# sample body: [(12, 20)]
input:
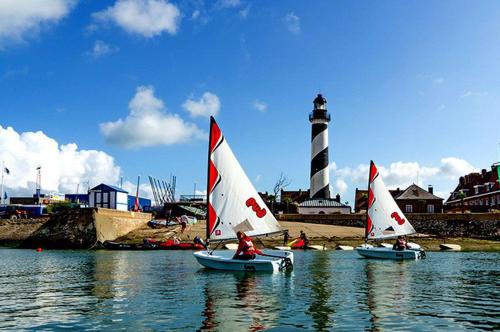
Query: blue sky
[(413, 85)]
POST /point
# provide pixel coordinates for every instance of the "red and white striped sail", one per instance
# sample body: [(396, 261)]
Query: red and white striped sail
[(385, 219), (233, 203)]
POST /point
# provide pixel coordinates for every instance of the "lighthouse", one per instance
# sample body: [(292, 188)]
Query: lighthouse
[(320, 179)]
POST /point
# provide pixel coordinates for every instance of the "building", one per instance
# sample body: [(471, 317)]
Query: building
[(417, 200), (294, 196), (144, 203), (107, 196), (476, 192), (413, 199), (324, 206)]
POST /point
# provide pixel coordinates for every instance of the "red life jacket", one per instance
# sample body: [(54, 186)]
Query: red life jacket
[(248, 248)]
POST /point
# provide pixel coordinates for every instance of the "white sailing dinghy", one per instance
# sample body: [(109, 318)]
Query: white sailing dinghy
[(385, 220), (234, 205)]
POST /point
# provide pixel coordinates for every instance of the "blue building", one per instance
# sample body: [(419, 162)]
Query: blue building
[(144, 203)]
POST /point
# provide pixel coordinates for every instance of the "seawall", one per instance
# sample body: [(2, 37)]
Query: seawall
[(71, 229), (473, 225)]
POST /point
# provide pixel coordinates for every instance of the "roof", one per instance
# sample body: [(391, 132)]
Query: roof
[(109, 187), (321, 203), (415, 192)]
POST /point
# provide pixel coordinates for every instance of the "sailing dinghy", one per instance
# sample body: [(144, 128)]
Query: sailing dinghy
[(234, 205), (385, 220)]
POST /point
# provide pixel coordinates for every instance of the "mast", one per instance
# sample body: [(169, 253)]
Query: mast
[(136, 204), (212, 122)]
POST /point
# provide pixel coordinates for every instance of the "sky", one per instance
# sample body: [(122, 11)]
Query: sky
[(94, 91)]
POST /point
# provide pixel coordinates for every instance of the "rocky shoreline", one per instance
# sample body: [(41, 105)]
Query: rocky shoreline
[(68, 231)]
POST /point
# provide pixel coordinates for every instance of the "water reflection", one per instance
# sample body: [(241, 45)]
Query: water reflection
[(253, 307), (321, 291), (369, 288)]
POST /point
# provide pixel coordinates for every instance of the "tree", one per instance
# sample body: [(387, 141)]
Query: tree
[(281, 183), (461, 195)]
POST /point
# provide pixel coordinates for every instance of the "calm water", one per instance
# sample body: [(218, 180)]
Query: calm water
[(160, 290)]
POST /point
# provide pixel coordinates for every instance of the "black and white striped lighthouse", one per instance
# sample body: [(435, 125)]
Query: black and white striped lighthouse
[(320, 179)]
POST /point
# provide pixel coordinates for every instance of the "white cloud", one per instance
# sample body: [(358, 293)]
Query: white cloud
[(244, 12), (148, 124), (148, 18), (340, 186), (259, 106), (292, 23), (258, 178), (21, 19), (144, 189), (471, 94), (201, 192), (195, 14), (453, 168), (100, 49), (209, 104), (64, 166), (438, 80), (402, 174)]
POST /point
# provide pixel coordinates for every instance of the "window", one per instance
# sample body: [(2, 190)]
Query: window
[(430, 208), (476, 189), (409, 208)]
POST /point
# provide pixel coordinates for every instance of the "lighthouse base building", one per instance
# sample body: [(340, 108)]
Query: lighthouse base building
[(319, 201)]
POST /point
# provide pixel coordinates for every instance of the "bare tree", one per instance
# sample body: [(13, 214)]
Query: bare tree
[(281, 183)]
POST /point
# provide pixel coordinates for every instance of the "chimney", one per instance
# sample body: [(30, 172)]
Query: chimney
[(337, 198), (430, 189)]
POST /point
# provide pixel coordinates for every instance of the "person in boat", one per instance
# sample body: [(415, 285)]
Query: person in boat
[(304, 239), (246, 249), (400, 244)]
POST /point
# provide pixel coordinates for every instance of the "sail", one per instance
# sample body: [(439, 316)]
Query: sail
[(385, 219), (233, 203)]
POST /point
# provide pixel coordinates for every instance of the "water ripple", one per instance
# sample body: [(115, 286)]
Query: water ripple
[(100, 290)]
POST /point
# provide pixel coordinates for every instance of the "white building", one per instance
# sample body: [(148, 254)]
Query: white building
[(110, 197), (323, 206)]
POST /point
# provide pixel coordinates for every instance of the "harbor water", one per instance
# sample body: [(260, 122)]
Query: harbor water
[(168, 290)]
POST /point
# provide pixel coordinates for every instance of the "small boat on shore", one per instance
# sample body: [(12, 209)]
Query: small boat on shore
[(111, 245), (317, 247), (173, 244), (343, 247), (385, 220), (233, 205), (450, 247)]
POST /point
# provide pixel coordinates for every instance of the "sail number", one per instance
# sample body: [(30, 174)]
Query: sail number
[(397, 217), (260, 212)]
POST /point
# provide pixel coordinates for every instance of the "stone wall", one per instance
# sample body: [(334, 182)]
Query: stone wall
[(477, 225), (112, 224), (71, 229)]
